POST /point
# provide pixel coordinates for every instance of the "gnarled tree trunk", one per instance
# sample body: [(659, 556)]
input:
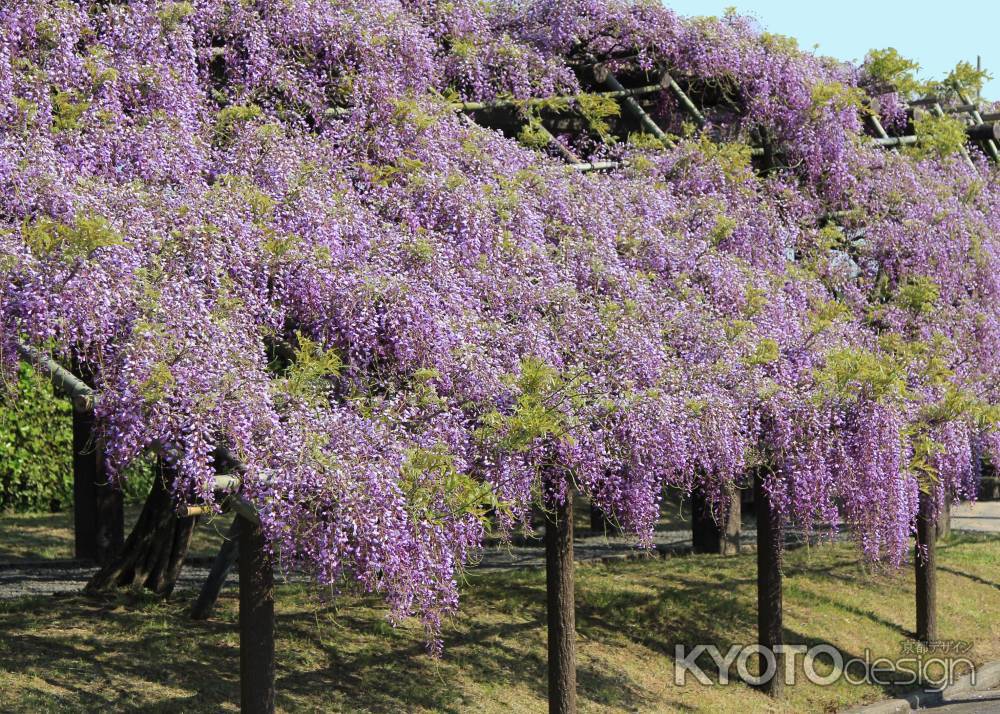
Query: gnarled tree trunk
[(154, 553), (709, 535)]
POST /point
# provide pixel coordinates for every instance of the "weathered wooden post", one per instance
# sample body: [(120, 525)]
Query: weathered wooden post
[(98, 512), (561, 607), (925, 566), (769, 548), (256, 622)]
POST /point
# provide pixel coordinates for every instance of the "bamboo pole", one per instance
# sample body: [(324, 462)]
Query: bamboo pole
[(608, 79), (190, 511), (936, 110), (991, 142), (82, 396), (685, 100), (879, 129), (596, 166), (984, 131), (563, 150), (892, 141), (510, 103)]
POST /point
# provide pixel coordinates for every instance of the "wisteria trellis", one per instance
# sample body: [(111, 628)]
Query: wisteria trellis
[(262, 224)]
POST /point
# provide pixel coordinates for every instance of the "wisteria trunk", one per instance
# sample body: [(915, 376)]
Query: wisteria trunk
[(223, 563), (943, 526), (769, 618), (98, 515), (598, 521), (925, 565), (561, 608), (711, 535), (154, 553)]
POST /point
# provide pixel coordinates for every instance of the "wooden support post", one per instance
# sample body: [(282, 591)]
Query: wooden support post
[(925, 565), (98, 513), (256, 623), (709, 535), (561, 608), (769, 619), (223, 563)]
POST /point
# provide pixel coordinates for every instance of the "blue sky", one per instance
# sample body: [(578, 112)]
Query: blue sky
[(937, 35)]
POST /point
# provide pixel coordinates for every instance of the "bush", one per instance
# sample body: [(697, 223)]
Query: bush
[(36, 448)]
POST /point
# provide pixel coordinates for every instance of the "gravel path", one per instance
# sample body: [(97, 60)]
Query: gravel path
[(983, 517), (69, 576), (47, 577)]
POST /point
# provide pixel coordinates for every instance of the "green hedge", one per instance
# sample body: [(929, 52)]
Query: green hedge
[(36, 448)]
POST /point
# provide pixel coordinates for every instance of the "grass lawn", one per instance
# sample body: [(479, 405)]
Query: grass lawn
[(71, 654)]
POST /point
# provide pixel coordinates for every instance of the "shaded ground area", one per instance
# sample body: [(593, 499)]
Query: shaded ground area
[(339, 654)]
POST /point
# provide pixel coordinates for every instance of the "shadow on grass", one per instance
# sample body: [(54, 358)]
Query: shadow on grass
[(96, 655), (970, 576), (137, 654)]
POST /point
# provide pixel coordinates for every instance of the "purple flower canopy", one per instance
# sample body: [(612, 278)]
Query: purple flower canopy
[(265, 225)]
